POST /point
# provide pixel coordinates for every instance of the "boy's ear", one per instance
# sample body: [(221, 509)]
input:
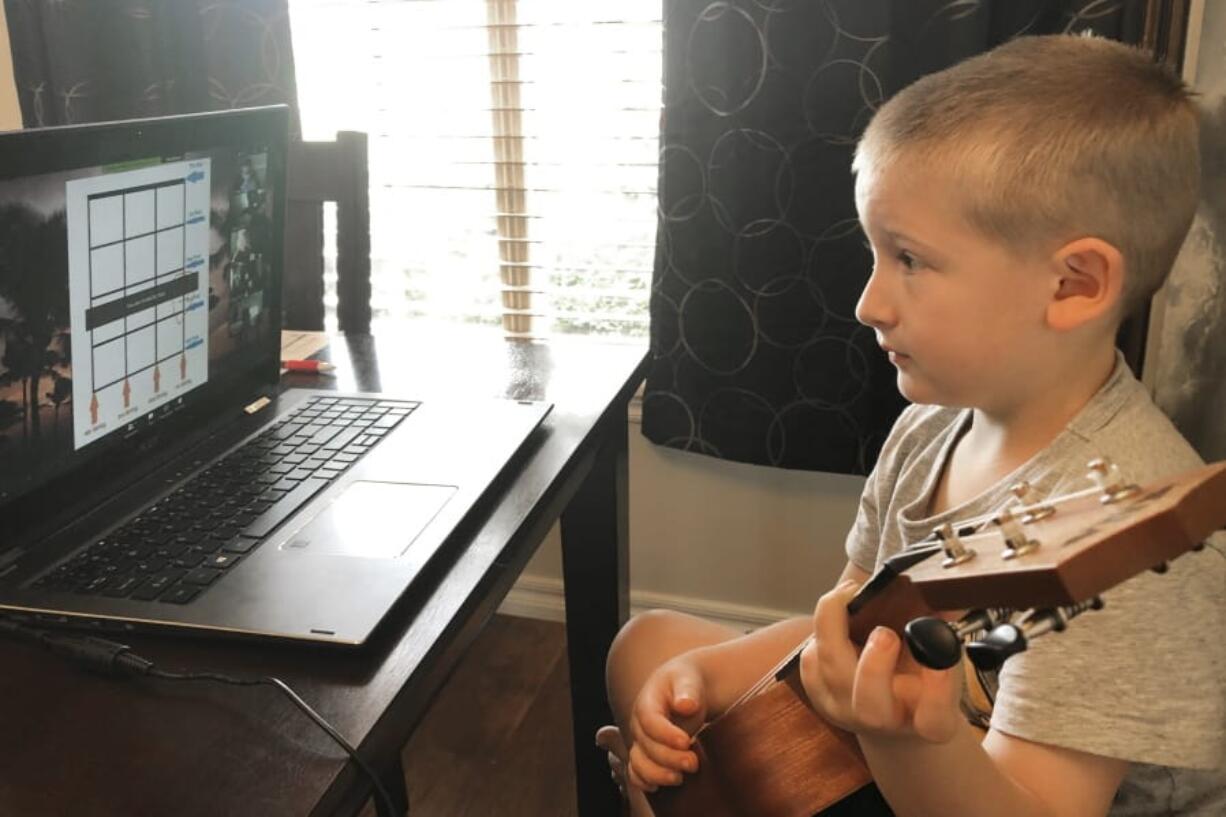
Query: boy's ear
[(1089, 281)]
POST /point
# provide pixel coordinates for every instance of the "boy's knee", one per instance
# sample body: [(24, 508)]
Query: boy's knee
[(646, 628)]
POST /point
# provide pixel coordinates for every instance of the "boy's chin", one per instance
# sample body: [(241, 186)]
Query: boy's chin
[(918, 391)]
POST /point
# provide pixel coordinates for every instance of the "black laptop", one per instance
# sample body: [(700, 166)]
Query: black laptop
[(152, 472)]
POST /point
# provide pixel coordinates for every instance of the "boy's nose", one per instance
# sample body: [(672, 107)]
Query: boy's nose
[(873, 308)]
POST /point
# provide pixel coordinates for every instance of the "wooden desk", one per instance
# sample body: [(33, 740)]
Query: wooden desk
[(75, 744)]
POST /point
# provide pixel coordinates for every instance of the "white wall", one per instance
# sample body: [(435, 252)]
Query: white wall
[(739, 543), (10, 113)]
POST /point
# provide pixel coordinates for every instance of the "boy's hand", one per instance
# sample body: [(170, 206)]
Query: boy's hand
[(670, 707), (880, 690)]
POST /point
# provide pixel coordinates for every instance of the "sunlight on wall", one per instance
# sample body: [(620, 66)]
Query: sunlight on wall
[(10, 113)]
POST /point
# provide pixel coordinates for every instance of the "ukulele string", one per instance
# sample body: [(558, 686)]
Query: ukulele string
[(765, 680), (976, 524)]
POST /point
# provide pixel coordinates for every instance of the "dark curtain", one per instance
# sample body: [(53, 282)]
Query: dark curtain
[(98, 60), (757, 356)]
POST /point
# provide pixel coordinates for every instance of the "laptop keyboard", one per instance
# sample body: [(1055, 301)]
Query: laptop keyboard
[(179, 547)]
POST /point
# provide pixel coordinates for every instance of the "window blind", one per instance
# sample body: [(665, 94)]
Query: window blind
[(513, 151)]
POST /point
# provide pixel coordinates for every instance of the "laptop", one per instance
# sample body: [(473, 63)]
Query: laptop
[(153, 473)]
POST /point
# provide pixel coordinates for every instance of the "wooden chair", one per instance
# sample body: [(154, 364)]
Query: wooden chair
[(318, 172)]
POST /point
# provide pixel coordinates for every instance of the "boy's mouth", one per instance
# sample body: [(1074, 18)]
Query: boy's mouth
[(894, 355)]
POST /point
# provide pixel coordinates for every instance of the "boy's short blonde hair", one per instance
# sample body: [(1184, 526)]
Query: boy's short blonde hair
[(1053, 138)]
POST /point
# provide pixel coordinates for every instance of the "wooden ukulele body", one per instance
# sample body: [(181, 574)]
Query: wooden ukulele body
[(806, 766)]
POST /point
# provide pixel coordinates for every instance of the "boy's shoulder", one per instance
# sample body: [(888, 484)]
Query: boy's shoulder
[(1123, 423)]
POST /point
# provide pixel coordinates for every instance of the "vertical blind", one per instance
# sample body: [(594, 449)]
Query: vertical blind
[(513, 153)]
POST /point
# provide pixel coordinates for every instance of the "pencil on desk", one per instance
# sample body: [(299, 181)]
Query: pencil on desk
[(316, 366)]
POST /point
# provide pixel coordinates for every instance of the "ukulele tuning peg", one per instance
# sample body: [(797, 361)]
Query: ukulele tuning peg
[(933, 642), (955, 551), (1002, 643), (1106, 475), (937, 644), (1006, 640)]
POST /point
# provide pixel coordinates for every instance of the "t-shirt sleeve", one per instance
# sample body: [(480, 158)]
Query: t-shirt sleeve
[(864, 539), (1143, 679), (865, 534)]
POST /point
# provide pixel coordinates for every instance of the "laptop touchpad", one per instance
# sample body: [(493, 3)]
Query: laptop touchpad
[(372, 520)]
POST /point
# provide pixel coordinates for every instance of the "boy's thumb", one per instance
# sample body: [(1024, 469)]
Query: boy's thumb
[(685, 699)]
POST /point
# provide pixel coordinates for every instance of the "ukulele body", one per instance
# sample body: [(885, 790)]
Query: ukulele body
[(805, 768)]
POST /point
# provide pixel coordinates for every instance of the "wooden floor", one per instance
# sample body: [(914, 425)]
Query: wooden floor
[(497, 740)]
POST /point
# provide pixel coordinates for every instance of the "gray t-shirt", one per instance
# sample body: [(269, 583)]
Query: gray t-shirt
[(1144, 679)]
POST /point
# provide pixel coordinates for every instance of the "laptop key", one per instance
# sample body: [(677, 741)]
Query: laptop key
[(239, 544), (281, 510), (202, 576), (156, 585), (93, 585), (181, 593), (120, 587), (221, 560), (188, 559)]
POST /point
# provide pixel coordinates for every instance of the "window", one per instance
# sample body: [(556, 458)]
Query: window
[(513, 150)]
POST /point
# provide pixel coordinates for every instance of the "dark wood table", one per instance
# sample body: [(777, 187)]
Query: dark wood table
[(75, 744)]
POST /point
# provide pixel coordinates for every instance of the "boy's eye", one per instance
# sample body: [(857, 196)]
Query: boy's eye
[(907, 259)]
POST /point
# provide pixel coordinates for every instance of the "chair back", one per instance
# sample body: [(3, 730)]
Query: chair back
[(318, 172)]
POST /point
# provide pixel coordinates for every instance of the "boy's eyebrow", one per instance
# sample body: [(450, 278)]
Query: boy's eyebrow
[(897, 236)]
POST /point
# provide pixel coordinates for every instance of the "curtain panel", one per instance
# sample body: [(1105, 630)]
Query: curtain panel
[(93, 60), (757, 356)]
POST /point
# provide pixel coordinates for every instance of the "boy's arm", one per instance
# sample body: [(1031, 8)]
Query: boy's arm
[(997, 775)]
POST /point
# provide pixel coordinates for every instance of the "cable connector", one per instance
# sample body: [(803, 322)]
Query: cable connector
[(97, 655)]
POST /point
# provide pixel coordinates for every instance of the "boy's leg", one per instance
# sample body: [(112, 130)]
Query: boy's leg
[(644, 643), (647, 641)]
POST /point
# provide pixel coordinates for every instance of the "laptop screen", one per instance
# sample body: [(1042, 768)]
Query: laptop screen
[(139, 284)]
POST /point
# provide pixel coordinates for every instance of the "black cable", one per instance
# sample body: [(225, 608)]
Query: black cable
[(111, 658)]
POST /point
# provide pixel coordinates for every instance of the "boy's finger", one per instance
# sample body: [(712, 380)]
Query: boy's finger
[(686, 698), (830, 627), (660, 729), (669, 758), (649, 772), (872, 695), (632, 777), (936, 711)]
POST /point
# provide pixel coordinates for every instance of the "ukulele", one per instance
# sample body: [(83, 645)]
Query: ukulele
[(771, 755)]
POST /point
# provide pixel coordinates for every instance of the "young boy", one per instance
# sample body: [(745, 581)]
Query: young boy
[(1018, 206)]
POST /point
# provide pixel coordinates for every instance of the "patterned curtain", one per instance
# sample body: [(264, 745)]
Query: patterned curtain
[(98, 60), (757, 355)]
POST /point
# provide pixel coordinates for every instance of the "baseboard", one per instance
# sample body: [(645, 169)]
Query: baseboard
[(541, 598)]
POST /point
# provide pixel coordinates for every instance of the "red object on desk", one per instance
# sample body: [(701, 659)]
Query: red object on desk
[(307, 365)]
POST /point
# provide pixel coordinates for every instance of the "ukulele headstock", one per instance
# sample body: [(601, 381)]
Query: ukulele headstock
[(1049, 559), (1066, 550)]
